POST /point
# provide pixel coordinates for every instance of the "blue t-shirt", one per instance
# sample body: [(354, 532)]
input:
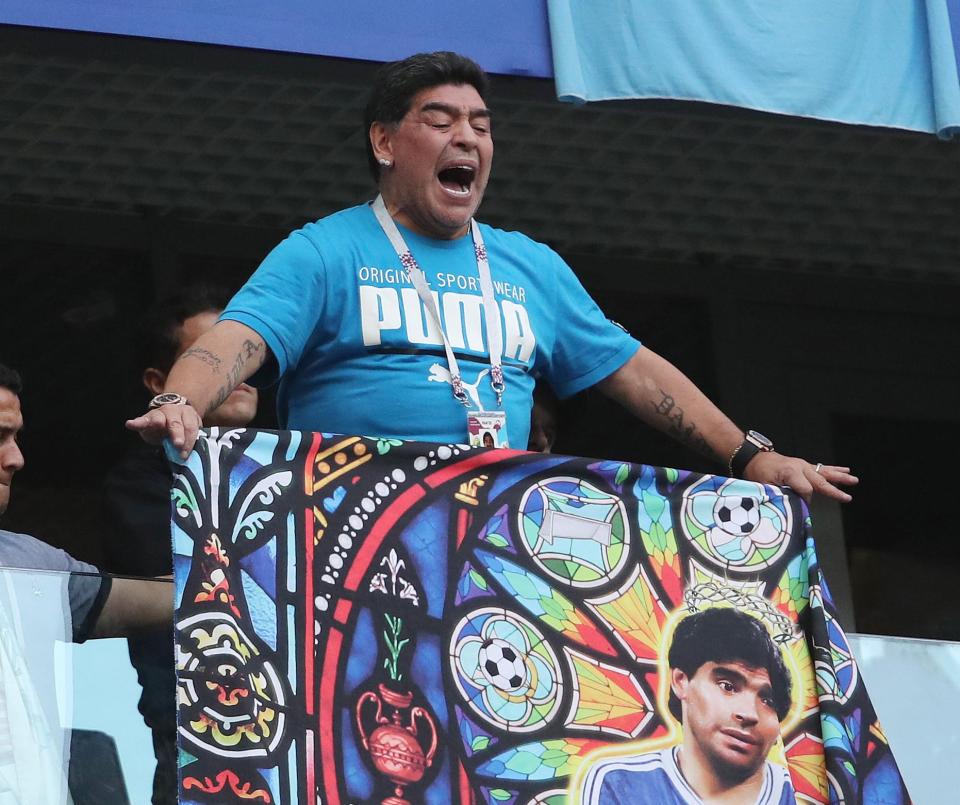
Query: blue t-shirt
[(655, 778), (357, 352)]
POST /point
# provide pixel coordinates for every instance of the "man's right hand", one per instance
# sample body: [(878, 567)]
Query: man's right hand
[(206, 373), (179, 423)]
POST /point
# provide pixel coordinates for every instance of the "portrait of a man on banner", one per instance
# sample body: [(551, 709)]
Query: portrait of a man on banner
[(730, 688)]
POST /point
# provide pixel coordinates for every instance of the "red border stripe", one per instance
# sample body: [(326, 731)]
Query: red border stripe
[(440, 477)]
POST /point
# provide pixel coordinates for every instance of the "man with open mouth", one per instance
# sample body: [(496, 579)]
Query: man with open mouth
[(406, 318), (729, 689)]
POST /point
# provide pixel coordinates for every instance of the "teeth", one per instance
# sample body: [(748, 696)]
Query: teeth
[(457, 178)]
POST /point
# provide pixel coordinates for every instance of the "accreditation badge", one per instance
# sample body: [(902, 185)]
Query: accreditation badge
[(487, 428)]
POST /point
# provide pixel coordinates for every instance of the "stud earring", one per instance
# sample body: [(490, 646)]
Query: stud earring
[(386, 163)]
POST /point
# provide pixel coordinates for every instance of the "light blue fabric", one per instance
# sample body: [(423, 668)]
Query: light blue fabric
[(357, 353), (855, 61), (655, 777)]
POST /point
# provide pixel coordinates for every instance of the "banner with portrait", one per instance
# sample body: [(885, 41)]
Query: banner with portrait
[(368, 620)]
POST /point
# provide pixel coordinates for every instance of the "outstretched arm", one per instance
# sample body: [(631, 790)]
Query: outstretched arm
[(134, 605), (658, 393), (205, 374)]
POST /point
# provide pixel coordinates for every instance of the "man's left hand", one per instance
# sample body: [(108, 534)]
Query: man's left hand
[(801, 476)]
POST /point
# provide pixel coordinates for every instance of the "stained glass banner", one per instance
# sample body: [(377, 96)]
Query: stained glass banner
[(367, 620)]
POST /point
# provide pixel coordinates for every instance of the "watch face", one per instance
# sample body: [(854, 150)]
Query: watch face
[(166, 399), (759, 440)]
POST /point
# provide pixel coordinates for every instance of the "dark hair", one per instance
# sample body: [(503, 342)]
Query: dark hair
[(724, 634), (10, 379), (159, 333), (396, 83)]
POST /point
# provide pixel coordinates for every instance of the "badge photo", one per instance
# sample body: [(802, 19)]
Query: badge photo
[(487, 428)]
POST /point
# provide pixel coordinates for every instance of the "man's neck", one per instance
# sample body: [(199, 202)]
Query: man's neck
[(711, 787), (403, 214)]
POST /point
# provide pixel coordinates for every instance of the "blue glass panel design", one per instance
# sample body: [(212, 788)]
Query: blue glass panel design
[(262, 609), (181, 566), (496, 530), (426, 667), (242, 470), (295, 438), (262, 567), (426, 541), (441, 792)]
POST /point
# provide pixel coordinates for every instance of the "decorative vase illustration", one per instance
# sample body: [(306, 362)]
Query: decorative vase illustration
[(394, 743)]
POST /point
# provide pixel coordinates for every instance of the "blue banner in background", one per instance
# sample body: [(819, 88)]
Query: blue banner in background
[(954, 8), (505, 36), (854, 61)]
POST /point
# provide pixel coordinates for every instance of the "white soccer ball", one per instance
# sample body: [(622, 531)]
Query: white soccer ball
[(502, 665), (737, 515)]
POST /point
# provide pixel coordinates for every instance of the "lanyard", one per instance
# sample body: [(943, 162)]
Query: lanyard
[(490, 311)]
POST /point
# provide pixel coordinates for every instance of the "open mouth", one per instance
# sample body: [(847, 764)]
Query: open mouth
[(457, 179)]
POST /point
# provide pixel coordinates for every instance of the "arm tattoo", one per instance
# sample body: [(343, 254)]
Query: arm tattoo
[(203, 355), (249, 351), (679, 428)]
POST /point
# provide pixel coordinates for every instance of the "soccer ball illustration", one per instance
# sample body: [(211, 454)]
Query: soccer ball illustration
[(744, 526), (502, 665), (505, 670), (737, 515)]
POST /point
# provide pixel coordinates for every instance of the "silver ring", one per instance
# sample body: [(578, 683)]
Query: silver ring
[(818, 468)]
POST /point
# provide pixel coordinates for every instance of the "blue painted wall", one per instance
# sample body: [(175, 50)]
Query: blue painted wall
[(505, 36)]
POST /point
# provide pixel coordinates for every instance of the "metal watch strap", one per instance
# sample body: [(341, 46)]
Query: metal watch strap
[(167, 398)]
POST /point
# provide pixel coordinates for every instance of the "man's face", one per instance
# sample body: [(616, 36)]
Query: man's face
[(241, 406), (441, 151), (728, 711), (11, 459)]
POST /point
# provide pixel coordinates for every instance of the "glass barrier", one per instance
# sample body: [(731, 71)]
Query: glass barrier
[(915, 687), (70, 730)]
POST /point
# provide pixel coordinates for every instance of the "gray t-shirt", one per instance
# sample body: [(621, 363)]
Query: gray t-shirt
[(34, 616), (87, 593)]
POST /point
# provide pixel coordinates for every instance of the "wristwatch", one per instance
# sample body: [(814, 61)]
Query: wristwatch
[(167, 398), (752, 444)]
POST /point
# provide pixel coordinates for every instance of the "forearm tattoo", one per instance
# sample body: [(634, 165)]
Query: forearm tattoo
[(250, 352), (204, 356), (678, 426)]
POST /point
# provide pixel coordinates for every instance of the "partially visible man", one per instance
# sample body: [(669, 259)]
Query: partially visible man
[(137, 489), (730, 689), (34, 611), (351, 312), (100, 606), (137, 512)]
